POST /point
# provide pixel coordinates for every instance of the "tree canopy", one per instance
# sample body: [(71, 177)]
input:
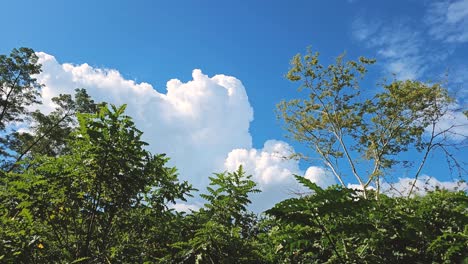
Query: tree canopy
[(364, 134)]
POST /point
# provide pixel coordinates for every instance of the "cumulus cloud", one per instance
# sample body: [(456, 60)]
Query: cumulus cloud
[(202, 124), (269, 165), (196, 123), (448, 20)]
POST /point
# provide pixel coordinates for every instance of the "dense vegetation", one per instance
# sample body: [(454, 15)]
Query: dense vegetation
[(80, 187)]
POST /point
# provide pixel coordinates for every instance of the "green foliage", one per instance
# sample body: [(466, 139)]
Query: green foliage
[(86, 203), (339, 225), (227, 203), (224, 231)]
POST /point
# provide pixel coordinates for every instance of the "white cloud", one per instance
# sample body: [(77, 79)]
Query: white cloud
[(411, 48), (272, 165), (448, 21), (405, 52), (203, 126), (456, 125), (363, 30), (422, 185), (196, 123), (459, 77), (269, 165)]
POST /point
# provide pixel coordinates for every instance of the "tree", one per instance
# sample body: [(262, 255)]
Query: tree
[(18, 89), (84, 205), (364, 136), (48, 133)]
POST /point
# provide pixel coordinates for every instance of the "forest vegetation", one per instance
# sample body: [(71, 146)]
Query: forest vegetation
[(78, 185)]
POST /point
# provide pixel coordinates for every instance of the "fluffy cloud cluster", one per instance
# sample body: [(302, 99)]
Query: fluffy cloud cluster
[(196, 123), (269, 165)]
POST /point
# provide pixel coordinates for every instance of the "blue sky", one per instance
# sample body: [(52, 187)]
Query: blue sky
[(253, 41)]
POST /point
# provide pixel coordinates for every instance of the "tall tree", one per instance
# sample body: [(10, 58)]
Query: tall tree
[(364, 137), (18, 89)]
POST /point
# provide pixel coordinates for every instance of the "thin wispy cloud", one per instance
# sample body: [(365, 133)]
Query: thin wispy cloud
[(417, 47), (448, 21), (422, 49), (401, 49)]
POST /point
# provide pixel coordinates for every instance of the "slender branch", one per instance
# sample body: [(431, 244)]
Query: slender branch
[(2, 115), (327, 160), (351, 163), (327, 234), (423, 161), (35, 142)]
